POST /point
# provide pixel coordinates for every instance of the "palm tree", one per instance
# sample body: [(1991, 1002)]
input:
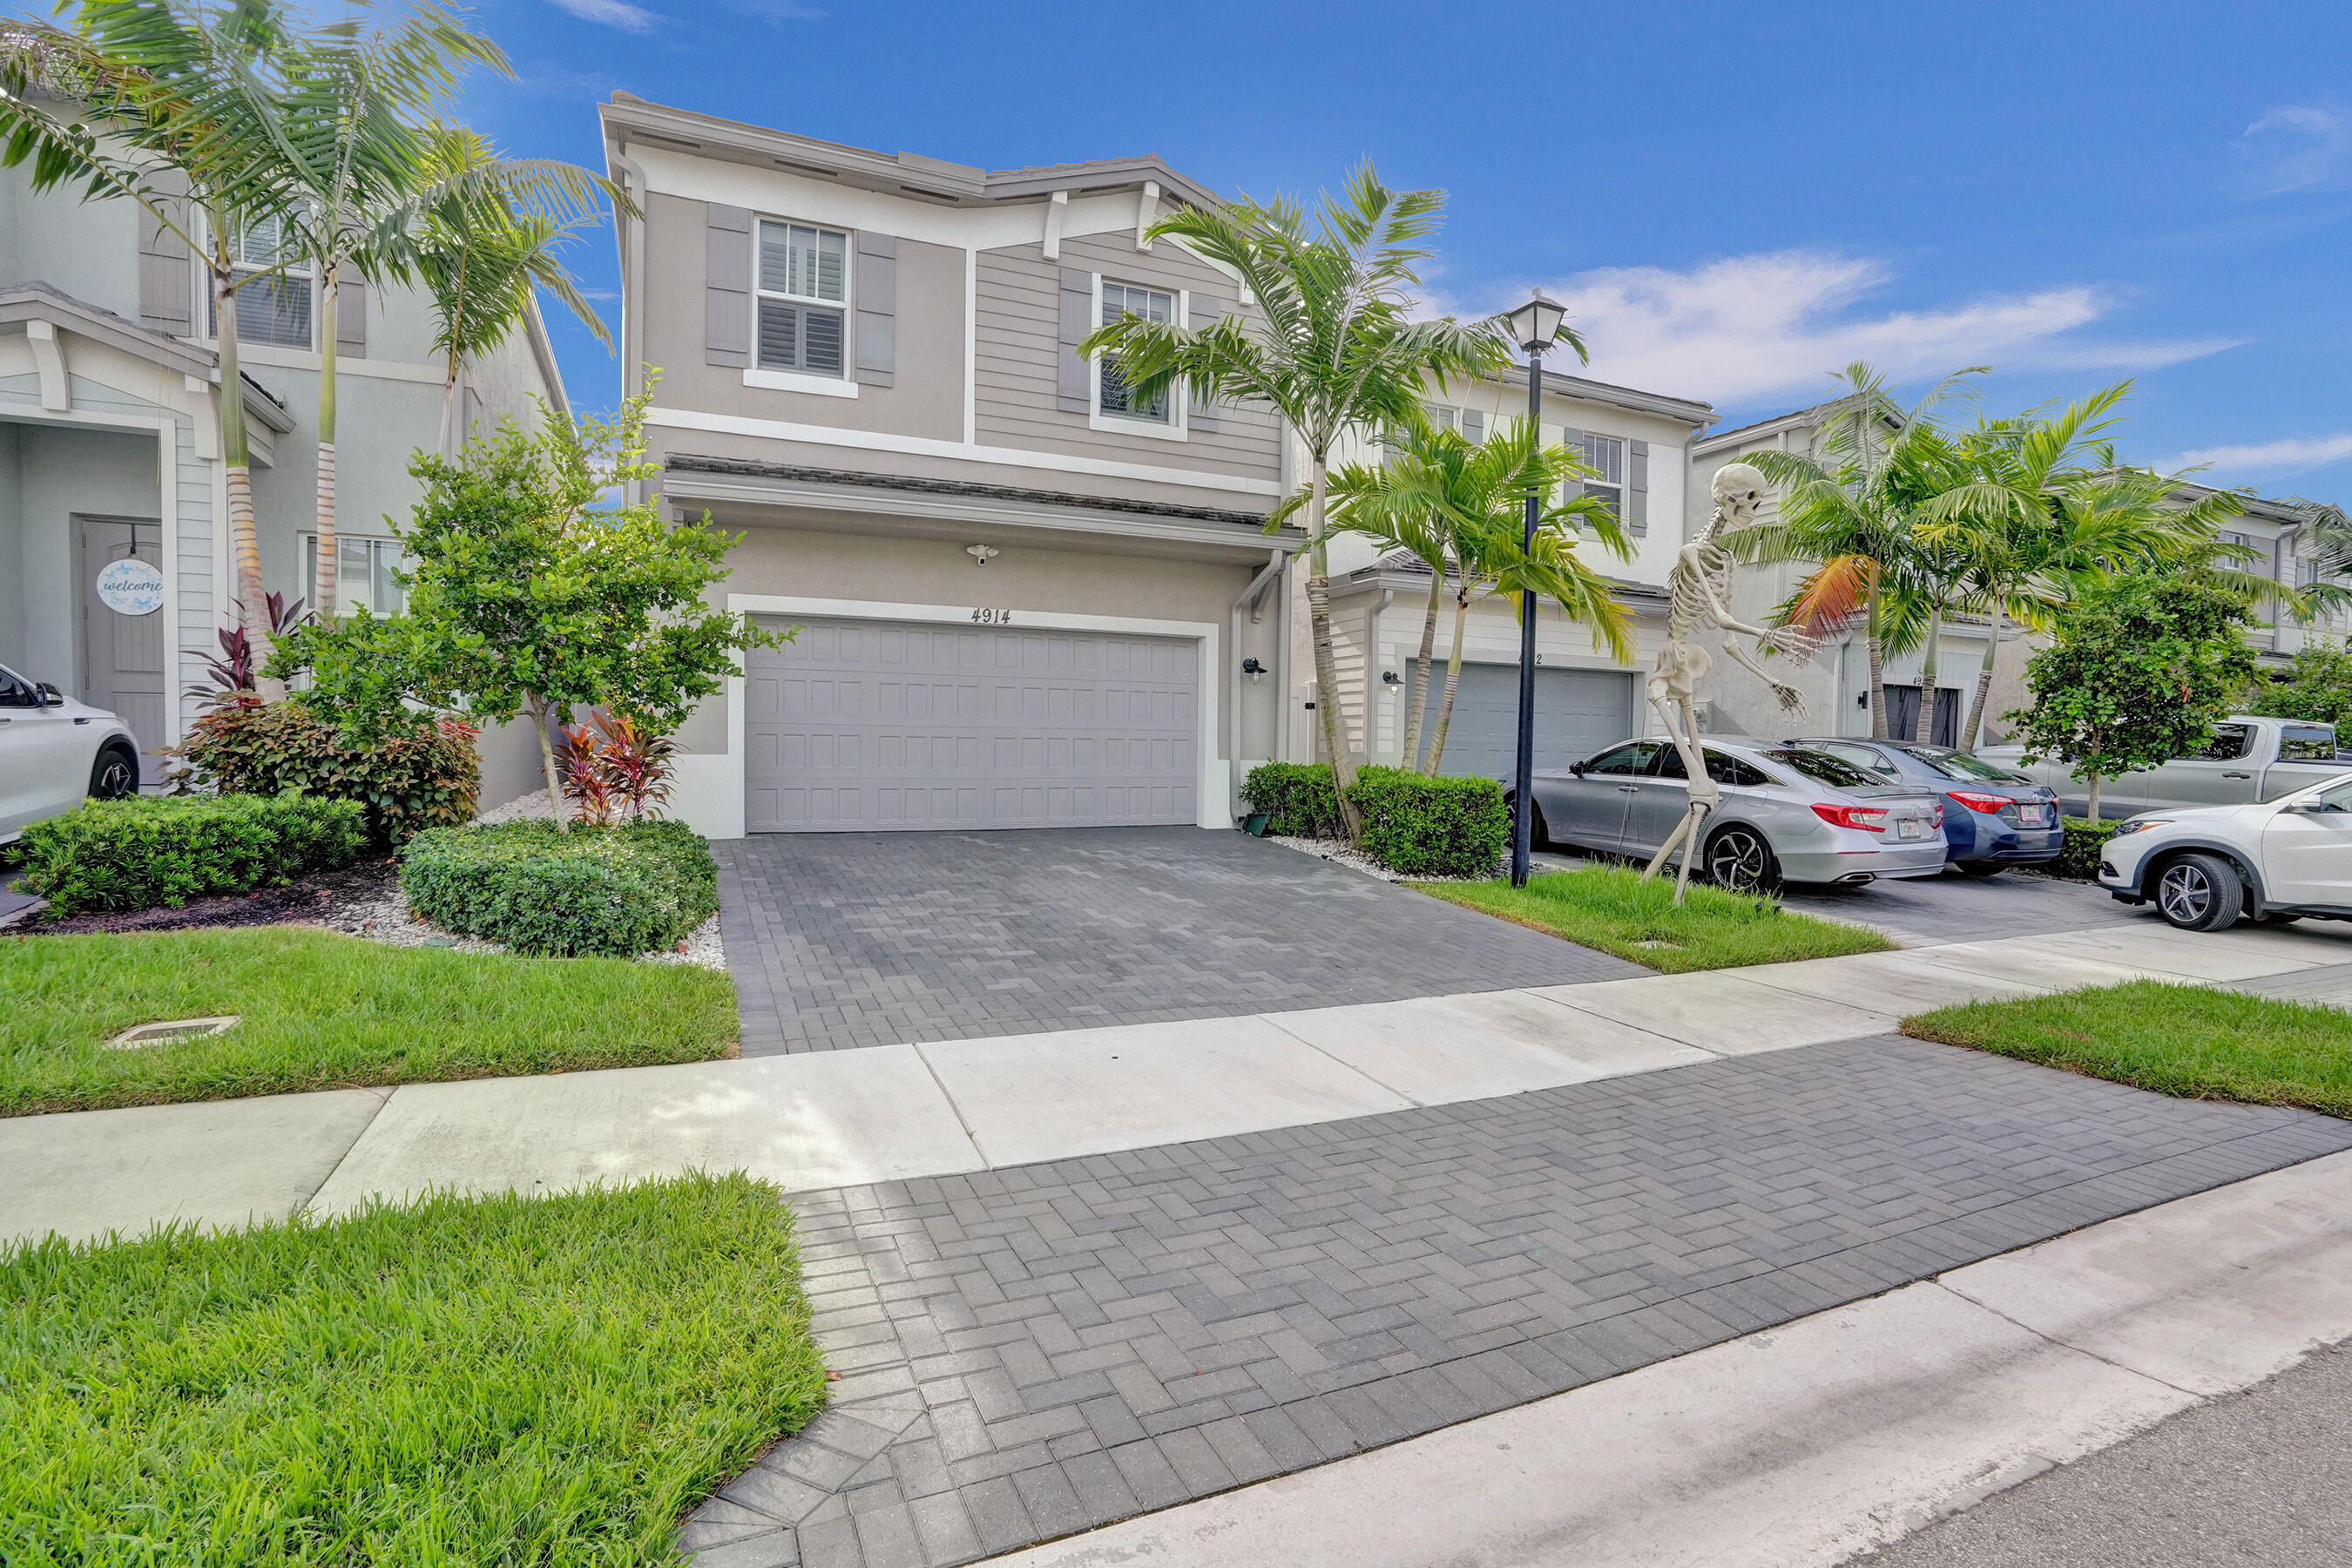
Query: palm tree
[(1335, 353), (1853, 517), (1400, 504), (187, 91)]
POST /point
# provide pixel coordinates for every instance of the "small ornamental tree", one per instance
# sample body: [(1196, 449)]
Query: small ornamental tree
[(529, 596), (2141, 671), (2318, 686)]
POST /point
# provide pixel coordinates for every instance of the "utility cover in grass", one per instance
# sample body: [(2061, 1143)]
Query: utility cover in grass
[(502, 1380)]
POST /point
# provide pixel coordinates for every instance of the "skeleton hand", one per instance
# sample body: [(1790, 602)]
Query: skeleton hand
[(1796, 646), (1791, 699)]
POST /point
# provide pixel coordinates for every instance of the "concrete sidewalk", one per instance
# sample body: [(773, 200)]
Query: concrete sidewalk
[(826, 1119)]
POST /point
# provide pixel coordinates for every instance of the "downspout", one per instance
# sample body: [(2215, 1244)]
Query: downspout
[(630, 234), (1371, 682), (1282, 630), (1253, 596)]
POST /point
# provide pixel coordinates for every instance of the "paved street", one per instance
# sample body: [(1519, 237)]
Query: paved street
[(839, 940)]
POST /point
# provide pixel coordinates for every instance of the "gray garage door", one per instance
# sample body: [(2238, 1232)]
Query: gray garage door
[(861, 725), (1577, 712)]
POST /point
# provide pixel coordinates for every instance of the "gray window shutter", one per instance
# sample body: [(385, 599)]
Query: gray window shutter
[(1077, 320), (1637, 487), (726, 287), (350, 318), (876, 288), (1203, 310), (166, 275), (1572, 439), (1474, 426)]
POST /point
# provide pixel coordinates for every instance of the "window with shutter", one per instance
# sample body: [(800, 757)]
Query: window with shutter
[(273, 287), (1121, 300), (1474, 426), (1605, 456), (803, 295)]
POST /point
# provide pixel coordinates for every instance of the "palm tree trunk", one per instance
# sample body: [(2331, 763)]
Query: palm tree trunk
[(1453, 679), (329, 559), (1968, 736), (1417, 706), (1326, 675), (1923, 724), (537, 708), (236, 463), (1876, 649)]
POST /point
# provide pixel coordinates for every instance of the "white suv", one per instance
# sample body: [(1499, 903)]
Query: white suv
[(2205, 866), (55, 751)]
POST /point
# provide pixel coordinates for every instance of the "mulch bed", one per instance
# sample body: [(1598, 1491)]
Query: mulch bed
[(326, 898)]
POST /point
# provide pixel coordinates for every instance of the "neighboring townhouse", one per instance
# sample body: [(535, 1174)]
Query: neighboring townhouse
[(109, 449), (1023, 597), (2284, 536), (1638, 444)]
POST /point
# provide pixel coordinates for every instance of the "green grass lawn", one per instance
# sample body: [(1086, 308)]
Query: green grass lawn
[(504, 1380), (1615, 910), (322, 1011), (2184, 1041)]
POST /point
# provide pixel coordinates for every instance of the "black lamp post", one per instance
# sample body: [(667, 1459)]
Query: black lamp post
[(1532, 326)]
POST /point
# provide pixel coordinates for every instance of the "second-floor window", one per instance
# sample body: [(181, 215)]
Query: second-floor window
[(1605, 456), (273, 287), (803, 297), (1122, 299), (1470, 422)]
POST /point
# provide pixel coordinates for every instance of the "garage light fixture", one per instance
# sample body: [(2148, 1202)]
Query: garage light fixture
[(1253, 669), (982, 555)]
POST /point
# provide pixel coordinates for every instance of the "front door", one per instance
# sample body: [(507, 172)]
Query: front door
[(123, 658), (2307, 855)]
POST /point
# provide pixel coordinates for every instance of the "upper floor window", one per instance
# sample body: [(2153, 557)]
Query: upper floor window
[(1121, 300), (802, 298), (273, 287), (1605, 456), (1470, 422)]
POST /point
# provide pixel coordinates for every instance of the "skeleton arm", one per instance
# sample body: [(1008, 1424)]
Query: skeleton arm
[(1789, 641), (1792, 700)]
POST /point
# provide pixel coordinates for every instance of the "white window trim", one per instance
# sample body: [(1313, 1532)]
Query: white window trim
[(802, 379), (1178, 397), (1623, 486), (305, 539)]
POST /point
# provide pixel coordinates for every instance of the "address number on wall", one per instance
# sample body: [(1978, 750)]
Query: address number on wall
[(992, 617)]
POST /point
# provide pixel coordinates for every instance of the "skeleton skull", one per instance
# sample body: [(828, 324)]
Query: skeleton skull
[(1738, 490)]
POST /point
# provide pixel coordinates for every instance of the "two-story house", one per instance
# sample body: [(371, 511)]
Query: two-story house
[(109, 449), (2285, 539), (1637, 444), (1018, 594)]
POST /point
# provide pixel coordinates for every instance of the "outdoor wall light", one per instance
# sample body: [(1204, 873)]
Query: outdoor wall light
[(1252, 668), (982, 555), (1391, 678)]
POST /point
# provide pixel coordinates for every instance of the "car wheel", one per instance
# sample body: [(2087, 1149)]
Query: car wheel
[(2201, 892), (115, 773), (1979, 868), (1738, 858)]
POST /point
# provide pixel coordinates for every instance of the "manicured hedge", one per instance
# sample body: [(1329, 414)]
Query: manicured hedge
[(145, 852), (424, 777), (1415, 826), (616, 891), (2085, 841)]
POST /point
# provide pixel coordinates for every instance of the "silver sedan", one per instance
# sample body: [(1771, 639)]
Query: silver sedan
[(1788, 813)]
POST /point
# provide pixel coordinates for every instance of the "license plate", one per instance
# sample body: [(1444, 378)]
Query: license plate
[(2036, 816), (1911, 829)]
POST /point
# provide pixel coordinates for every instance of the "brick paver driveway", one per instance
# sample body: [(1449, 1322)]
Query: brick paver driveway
[(1031, 1351), (870, 939)]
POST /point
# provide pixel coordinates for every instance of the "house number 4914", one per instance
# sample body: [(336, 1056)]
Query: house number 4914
[(992, 617)]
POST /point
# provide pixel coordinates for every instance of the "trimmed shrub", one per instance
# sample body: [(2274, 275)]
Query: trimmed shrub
[(1422, 826), (614, 891), (143, 852), (1297, 799), (2085, 841), (408, 781)]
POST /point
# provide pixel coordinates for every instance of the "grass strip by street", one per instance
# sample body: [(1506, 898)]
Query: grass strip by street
[(1615, 910), (466, 1380), (2190, 1041), (320, 1010)]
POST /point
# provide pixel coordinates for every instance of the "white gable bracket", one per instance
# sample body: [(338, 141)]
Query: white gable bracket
[(1146, 212), (49, 359), (1057, 208)]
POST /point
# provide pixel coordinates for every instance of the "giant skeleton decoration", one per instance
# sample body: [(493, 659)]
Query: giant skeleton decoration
[(1702, 596)]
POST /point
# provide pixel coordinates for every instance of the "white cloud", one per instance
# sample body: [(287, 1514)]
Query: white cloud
[(610, 13), (1776, 322), (2296, 147), (2292, 455)]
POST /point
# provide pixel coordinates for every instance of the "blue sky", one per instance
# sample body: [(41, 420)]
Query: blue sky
[(1735, 199)]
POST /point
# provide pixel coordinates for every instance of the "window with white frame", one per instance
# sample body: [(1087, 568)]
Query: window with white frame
[(1605, 456), (364, 574), (1121, 300), (803, 288), (1470, 422), (273, 286)]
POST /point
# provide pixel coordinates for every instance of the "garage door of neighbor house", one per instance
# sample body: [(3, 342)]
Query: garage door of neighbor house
[(860, 725), (1577, 712)]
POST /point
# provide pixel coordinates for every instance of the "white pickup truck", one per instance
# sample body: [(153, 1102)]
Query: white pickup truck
[(2250, 760)]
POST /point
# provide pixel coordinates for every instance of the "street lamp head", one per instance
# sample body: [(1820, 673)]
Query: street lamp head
[(1536, 324)]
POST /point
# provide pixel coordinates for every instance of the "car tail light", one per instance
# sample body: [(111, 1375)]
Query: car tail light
[(1869, 818), (1990, 805)]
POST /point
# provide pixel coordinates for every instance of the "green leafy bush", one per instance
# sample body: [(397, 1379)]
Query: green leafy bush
[(145, 852), (1423, 826), (2085, 841), (408, 779), (609, 890), (1296, 797)]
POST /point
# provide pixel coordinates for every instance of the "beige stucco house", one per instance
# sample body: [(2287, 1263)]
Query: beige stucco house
[(1022, 599)]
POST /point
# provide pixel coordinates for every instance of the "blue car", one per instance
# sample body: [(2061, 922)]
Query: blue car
[(1993, 818)]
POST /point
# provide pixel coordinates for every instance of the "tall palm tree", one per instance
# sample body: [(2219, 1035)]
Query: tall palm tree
[(1336, 351), (1852, 516), (181, 91)]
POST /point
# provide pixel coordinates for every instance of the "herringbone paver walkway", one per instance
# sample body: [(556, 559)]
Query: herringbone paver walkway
[(1034, 1351), (874, 939)]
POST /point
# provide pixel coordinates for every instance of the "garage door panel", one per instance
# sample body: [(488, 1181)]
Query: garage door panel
[(880, 725), (1577, 712)]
